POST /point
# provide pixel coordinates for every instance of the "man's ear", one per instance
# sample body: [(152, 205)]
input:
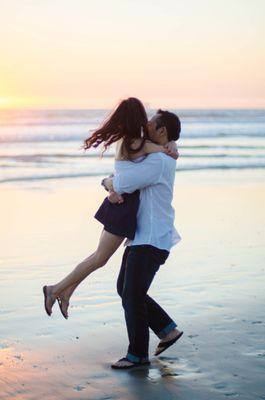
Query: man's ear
[(162, 131)]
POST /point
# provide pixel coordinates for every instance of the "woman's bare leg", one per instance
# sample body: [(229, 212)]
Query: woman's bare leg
[(107, 246), (67, 293)]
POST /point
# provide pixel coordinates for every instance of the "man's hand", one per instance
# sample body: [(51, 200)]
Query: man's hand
[(171, 149), (115, 198)]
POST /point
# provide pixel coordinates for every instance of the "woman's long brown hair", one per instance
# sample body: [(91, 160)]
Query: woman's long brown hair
[(127, 121)]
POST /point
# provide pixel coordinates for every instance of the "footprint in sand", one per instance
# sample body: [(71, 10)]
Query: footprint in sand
[(18, 357), (79, 388), (220, 385), (169, 373), (168, 359), (257, 353)]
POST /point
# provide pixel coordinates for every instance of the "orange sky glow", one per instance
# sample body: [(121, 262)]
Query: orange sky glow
[(84, 54)]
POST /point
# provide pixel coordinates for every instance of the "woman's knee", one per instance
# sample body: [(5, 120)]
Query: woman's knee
[(99, 260)]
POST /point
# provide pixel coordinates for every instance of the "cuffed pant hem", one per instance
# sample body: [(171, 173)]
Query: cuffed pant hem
[(167, 329), (135, 359)]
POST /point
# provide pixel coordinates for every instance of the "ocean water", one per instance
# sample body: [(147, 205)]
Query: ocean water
[(37, 145)]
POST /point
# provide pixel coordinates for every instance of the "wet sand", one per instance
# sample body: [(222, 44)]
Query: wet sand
[(212, 285)]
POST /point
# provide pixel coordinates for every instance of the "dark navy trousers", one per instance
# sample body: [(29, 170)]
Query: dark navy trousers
[(139, 266)]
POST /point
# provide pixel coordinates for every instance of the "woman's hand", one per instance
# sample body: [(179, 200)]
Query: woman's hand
[(171, 149), (115, 198), (107, 184)]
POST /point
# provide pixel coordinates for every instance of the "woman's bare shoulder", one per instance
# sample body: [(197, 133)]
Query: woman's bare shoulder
[(135, 143), (119, 153)]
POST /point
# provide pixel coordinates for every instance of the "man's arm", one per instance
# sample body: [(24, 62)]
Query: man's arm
[(137, 175)]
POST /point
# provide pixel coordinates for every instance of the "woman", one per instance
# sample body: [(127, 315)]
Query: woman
[(126, 126)]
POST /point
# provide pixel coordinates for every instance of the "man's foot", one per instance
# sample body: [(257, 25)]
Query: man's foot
[(49, 299), (124, 363), (167, 341)]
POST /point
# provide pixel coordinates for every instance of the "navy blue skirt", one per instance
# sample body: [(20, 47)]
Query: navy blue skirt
[(120, 219)]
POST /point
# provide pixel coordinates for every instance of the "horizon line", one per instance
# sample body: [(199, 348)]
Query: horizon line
[(110, 108)]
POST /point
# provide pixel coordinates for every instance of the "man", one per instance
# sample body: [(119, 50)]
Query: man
[(155, 235)]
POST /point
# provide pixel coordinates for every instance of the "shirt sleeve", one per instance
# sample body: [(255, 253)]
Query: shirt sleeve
[(138, 175)]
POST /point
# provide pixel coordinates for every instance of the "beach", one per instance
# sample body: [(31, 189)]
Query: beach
[(82, 83), (212, 285)]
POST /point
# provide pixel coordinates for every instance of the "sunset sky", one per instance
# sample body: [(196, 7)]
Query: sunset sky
[(91, 53)]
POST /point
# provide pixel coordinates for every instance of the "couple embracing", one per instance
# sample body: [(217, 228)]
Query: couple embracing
[(138, 208)]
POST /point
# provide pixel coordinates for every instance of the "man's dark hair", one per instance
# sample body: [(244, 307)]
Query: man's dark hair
[(171, 122)]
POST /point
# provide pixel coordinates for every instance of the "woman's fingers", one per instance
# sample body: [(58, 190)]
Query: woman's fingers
[(115, 198), (174, 154), (171, 145)]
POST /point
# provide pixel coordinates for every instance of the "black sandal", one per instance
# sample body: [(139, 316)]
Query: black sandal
[(44, 289), (134, 364), (165, 345), (60, 305)]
